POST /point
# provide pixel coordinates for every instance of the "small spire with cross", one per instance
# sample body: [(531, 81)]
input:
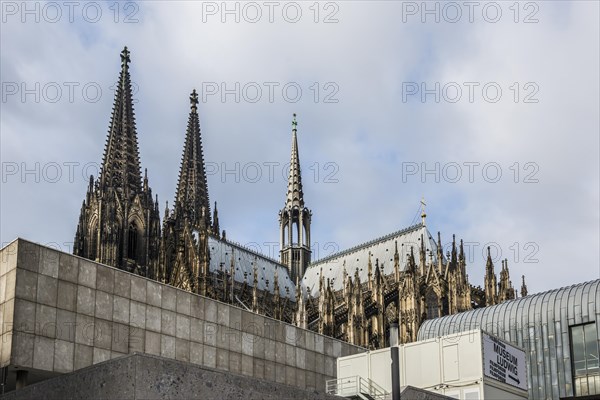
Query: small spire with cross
[(294, 124), (423, 215), (125, 60), (194, 100)]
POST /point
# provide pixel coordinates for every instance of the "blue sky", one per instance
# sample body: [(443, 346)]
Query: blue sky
[(357, 153)]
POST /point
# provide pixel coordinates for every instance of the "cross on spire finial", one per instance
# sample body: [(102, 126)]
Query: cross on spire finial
[(125, 57), (194, 99), (294, 123), (423, 215)]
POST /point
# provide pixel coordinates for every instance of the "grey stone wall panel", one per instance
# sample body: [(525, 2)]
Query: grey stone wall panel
[(61, 313)]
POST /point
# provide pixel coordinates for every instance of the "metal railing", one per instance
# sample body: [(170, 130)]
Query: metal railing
[(355, 386)]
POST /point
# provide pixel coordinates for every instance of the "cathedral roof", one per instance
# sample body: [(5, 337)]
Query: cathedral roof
[(221, 251), (381, 249)]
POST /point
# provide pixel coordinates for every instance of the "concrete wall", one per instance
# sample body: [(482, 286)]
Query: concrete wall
[(150, 377), (60, 313), (8, 274)]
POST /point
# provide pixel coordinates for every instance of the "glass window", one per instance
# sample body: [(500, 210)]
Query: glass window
[(591, 346), (584, 355), (578, 350)]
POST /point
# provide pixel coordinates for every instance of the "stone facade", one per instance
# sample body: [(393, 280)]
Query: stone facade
[(60, 313)]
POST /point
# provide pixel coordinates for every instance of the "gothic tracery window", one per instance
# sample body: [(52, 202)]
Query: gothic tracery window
[(432, 304), (93, 235), (132, 242)]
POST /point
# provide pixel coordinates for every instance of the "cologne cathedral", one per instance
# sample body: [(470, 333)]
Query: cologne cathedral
[(353, 295)]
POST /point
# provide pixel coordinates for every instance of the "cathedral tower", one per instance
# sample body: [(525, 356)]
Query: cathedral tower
[(184, 248), (191, 199), (119, 224), (294, 218)]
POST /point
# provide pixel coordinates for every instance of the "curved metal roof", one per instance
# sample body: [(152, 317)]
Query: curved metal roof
[(519, 311), (540, 324)]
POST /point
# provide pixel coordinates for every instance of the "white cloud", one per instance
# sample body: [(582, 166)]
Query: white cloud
[(368, 134)]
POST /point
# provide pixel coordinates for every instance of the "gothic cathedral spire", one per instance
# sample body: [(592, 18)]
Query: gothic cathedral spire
[(191, 199), (184, 247), (119, 223), (294, 218), (295, 196), (121, 161)]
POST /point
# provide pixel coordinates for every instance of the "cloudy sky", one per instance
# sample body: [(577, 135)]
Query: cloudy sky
[(489, 112)]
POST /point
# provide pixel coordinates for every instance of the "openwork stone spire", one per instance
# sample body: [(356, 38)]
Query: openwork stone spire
[(184, 247), (191, 199), (295, 196), (294, 218), (121, 161)]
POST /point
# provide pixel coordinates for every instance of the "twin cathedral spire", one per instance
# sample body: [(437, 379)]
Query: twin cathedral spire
[(352, 295), (191, 199), (119, 223)]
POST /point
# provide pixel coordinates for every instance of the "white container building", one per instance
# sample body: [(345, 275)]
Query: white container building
[(468, 365)]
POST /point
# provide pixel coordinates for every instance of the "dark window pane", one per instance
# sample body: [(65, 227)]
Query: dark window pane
[(132, 243), (578, 348), (591, 348)]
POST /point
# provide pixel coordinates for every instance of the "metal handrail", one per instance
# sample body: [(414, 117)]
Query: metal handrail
[(355, 386)]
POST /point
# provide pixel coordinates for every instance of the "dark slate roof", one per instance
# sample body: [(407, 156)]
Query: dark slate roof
[(220, 252), (381, 249)]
